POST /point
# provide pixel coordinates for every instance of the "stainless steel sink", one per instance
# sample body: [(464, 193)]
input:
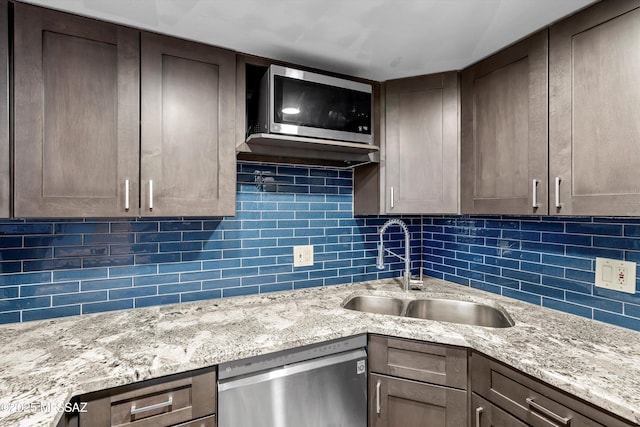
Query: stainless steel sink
[(469, 313), (376, 304), (443, 310)]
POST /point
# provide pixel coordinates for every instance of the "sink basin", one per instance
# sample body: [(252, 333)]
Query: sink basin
[(376, 304), (469, 313), (443, 310)]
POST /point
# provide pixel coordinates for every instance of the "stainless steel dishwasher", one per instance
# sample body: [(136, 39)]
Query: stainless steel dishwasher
[(322, 385)]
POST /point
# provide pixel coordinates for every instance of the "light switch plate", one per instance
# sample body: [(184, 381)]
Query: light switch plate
[(615, 274), (303, 256)]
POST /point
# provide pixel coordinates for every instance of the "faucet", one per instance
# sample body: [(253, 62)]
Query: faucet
[(407, 256)]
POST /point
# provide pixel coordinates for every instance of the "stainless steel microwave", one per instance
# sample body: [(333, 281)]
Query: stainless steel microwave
[(300, 103)]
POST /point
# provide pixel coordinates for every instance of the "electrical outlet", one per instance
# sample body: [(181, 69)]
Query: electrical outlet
[(615, 274), (302, 256)]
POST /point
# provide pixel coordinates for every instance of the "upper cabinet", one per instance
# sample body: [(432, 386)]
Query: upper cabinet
[(5, 159), (504, 131), (421, 144), (594, 130), (591, 141), (110, 122), (418, 172), (76, 115), (188, 112)]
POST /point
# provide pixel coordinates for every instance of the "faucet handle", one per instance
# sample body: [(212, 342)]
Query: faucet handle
[(416, 284)]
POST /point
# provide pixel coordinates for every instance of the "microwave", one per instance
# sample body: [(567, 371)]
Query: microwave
[(301, 103)]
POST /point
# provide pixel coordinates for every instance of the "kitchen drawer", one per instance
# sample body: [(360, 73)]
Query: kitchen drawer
[(536, 403), (430, 363), (176, 400)]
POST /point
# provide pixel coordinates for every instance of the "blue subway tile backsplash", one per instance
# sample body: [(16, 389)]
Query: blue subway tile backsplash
[(62, 267), (548, 261)]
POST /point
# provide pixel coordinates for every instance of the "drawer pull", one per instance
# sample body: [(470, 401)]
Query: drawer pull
[(548, 413), (137, 411), (378, 397)]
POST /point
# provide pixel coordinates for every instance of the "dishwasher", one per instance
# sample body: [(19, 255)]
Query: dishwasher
[(320, 385)]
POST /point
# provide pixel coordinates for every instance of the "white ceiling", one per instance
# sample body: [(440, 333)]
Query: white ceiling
[(375, 39)]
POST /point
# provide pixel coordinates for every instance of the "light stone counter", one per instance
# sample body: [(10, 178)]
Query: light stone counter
[(48, 362)]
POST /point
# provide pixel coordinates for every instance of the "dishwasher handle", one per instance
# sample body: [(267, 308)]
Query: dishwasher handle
[(235, 382)]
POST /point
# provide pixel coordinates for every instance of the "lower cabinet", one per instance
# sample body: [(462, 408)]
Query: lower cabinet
[(515, 399), (405, 403), (416, 384), (410, 384), (179, 400)]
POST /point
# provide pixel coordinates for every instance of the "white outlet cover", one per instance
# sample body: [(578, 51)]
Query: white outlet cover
[(303, 256), (616, 274)]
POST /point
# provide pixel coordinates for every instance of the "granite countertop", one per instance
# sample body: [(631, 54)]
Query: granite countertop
[(45, 363)]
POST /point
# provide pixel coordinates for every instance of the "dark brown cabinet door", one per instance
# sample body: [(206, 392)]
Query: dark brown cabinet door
[(504, 127), (188, 165), (395, 402), (421, 145), (76, 115), (594, 80), (5, 159)]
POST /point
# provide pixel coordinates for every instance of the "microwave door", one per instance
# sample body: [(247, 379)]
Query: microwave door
[(309, 108)]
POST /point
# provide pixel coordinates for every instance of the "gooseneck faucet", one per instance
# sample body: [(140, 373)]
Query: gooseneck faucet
[(407, 250)]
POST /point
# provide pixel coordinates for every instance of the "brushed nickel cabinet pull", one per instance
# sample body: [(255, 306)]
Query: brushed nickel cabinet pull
[(126, 195), (562, 420), (479, 411), (391, 195), (558, 180), (535, 193), (150, 194), (137, 411), (378, 397)]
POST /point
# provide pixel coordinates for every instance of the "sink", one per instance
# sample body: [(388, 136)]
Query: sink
[(376, 304), (443, 310), (469, 313)]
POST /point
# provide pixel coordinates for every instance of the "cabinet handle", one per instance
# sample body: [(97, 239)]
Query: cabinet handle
[(126, 195), (391, 195), (378, 396), (136, 411), (150, 194), (558, 180), (535, 193), (479, 411), (562, 420)]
